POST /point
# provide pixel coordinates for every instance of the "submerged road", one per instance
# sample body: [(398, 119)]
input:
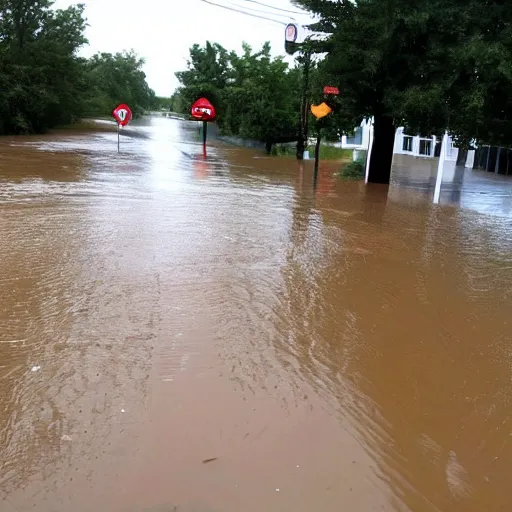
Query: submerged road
[(214, 335)]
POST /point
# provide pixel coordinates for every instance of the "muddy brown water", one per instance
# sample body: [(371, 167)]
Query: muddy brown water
[(181, 334)]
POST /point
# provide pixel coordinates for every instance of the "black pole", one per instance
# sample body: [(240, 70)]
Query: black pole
[(205, 131), (304, 115), (317, 155), (306, 99)]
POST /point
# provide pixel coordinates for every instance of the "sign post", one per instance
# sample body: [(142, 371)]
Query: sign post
[(294, 42), (203, 110), (320, 112), (123, 115), (317, 154)]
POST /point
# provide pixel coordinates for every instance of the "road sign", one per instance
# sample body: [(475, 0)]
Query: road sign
[(321, 110), (122, 114), (291, 34), (331, 90), (203, 110)]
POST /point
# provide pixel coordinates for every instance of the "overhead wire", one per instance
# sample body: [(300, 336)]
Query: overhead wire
[(244, 12), (257, 16), (287, 16), (272, 7)]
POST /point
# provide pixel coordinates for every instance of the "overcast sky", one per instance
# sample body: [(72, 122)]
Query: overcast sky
[(162, 31)]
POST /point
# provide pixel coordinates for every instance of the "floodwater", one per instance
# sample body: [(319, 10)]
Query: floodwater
[(216, 335)]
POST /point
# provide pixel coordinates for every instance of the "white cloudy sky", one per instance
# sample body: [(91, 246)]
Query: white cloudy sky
[(162, 31)]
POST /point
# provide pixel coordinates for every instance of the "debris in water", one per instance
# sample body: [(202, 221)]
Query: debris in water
[(277, 490), (206, 461), (35, 369), (65, 438), (122, 410)]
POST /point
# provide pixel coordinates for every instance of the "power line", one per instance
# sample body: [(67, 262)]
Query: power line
[(272, 7), (244, 12), (264, 12)]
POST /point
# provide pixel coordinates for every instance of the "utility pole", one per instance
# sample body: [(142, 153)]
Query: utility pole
[(304, 110), (292, 46)]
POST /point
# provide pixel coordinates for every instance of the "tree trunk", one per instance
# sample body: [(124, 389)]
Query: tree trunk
[(462, 156), (381, 157), (300, 147)]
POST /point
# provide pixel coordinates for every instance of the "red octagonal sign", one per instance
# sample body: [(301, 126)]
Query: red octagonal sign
[(203, 110), (122, 114)]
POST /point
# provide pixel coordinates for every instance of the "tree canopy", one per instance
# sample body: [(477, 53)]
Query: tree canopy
[(427, 65), (256, 96), (115, 79), (43, 81)]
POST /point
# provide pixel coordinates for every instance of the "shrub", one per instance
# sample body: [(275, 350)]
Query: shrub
[(352, 171)]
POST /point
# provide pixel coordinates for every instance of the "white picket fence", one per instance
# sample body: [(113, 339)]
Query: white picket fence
[(405, 144)]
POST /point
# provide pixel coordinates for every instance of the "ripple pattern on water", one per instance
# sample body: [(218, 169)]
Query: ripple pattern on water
[(344, 344)]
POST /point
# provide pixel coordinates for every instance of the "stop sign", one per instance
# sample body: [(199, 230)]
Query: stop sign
[(203, 110), (122, 114)]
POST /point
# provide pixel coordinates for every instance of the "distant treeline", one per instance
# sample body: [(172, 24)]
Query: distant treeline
[(256, 96), (43, 81)]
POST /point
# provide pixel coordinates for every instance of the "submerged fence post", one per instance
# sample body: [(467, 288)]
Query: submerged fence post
[(369, 152), (440, 168)]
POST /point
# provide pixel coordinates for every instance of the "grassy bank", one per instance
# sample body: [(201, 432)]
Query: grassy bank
[(327, 152), (351, 171)]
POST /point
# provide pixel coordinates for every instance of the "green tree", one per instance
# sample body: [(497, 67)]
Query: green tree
[(256, 96), (206, 76), (177, 102), (43, 82), (117, 78), (162, 103), (262, 100), (481, 102), (428, 65), (41, 79)]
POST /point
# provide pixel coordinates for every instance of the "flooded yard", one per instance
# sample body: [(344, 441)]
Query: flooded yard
[(199, 335)]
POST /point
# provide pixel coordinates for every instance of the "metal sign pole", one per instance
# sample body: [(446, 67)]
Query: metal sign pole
[(304, 114), (317, 155), (205, 132), (123, 115)]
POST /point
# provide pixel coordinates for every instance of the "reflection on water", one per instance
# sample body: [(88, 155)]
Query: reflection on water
[(481, 191), (182, 333)]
